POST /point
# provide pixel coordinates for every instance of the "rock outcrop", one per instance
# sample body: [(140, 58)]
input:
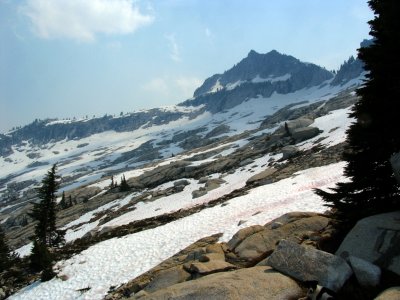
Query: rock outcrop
[(252, 283), (251, 245), (308, 264), (375, 239), (390, 294)]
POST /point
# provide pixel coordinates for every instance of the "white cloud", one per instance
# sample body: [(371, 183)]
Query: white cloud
[(83, 19), (174, 48)]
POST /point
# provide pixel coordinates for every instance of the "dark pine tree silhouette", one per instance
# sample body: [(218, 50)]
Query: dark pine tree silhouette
[(63, 202), (375, 135), (6, 257), (44, 212), (124, 186), (46, 234)]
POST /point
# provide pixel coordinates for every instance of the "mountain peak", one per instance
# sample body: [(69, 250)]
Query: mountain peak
[(252, 53), (269, 67)]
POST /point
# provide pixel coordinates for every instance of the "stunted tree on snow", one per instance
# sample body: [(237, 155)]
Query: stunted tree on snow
[(375, 136), (124, 186)]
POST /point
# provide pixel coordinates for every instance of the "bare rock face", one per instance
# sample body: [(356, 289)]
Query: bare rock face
[(252, 283), (367, 274), (309, 264), (167, 278), (210, 267), (375, 239), (255, 243)]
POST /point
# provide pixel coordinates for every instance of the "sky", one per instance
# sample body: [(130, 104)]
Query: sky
[(77, 58)]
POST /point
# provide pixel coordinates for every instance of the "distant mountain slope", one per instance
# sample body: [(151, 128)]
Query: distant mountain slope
[(257, 75), (269, 68), (350, 69), (44, 131)]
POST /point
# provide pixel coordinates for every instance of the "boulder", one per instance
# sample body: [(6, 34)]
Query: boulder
[(375, 239), (390, 294), (242, 234), (309, 264), (255, 243), (252, 283), (294, 124), (203, 180), (215, 248), (212, 256), (210, 267), (214, 184), (198, 193), (182, 182), (262, 175), (289, 151), (367, 274), (302, 134), (167, 278)]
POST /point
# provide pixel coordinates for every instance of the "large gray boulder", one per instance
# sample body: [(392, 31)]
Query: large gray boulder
[(252, 283), (367, 274), (294, 124), (305, 133), (289, 151), (375, 239), (309, 264), (253, 244)]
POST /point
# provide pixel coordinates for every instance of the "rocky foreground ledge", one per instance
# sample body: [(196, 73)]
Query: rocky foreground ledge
[(279, 261)]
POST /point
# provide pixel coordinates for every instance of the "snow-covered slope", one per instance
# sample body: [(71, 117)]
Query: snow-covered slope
[(115, 261), (179, 158)]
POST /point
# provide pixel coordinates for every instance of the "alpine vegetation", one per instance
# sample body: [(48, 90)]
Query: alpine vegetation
[(374, 137)]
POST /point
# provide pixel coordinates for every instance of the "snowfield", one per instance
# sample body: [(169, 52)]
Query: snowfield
[(116, 261), (111, 263)]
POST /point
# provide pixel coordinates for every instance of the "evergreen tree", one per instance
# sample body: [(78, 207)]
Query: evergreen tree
[(112, 184), (70, 201), (44, 212), (63, 202), (41, 260), (375, 136), (7, 258), (124, 186), (46, 234)]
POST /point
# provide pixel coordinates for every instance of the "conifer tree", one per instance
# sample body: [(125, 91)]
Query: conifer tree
[(375, 136), (124, 186), (112, 184), (44, 212), (63, 202), (6, 257), (46, 234)]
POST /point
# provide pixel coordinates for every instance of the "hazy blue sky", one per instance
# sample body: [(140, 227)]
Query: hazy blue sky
[(66, 58)]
